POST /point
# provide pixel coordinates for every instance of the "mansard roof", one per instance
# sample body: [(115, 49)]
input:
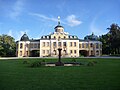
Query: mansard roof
[(58, 26), (24, 38), (46, 37), (91, 37)]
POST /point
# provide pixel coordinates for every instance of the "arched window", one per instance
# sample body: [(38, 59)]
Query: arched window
[(82, 45), (59, 37), (79, 45), (64, 43), (91, 45), (64, 51), (21, 45), (54, 37), (54, 52), (97, 45)]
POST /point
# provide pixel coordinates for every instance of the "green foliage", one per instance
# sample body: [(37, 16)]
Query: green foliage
[(90, 64), (36, 64), (7, 46), (25, 62), (111, 40)]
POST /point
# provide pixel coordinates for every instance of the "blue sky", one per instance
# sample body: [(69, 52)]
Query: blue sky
[(39, 17)]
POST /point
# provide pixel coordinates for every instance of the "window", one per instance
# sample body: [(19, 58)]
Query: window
[(101, 46), (26, 45), (86, 45), (59, 43), (17, 46), (48, 37), (59, 37), (75, 51), (70, 51), (64, 43), (64, 51), (97, 45), (43, 51), (91, 45), (43, 44), (20, 53), (54, 52), (64, 37), (47, 44), (26, 53), (54, 37), (71, 44), (47, 51), (92, 53), (35, 45), (21, 45), (31, 45), (82, 45), (38, 45), (97, 52), (54, 44), (79, 45), (75, 44)]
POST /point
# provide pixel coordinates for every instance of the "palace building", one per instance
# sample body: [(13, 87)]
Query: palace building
[(48, 45)]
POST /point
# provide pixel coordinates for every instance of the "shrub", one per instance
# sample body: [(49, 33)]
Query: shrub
[(36, 64), (25, 62), (94, 62), (90, 64), (73, 60), (43, 60)]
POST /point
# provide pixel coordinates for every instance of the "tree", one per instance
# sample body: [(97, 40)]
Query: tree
[(7, 46), (114, 39), (111, 40)]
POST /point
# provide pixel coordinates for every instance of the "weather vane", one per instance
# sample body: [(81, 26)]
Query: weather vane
[(58, 20)]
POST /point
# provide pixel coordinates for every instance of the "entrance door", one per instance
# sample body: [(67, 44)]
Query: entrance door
[(35, 53)]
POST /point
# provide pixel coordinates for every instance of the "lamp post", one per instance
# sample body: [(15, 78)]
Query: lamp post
[(59, 50), (59, 63)]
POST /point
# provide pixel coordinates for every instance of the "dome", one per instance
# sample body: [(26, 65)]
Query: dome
[(91, 37), (59, 28), (24, 38)]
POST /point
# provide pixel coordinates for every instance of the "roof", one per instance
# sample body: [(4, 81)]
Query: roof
[(59, 26), (24, 38), (46, 37), (91, 37), (34, 40)]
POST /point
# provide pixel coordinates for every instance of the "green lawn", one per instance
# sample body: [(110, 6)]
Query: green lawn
[(104, 75)]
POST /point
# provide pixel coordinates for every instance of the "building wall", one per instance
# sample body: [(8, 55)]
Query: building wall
[(23, 48), (47, 48), (94, 48)]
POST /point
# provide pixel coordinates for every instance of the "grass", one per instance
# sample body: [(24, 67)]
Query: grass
[(104, 75)]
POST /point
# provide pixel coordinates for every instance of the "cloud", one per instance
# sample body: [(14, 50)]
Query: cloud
[(73, 21), (44, 17), (70, 20), (16, 9)]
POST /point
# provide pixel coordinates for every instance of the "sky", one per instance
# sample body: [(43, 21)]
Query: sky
[(39, 17)]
